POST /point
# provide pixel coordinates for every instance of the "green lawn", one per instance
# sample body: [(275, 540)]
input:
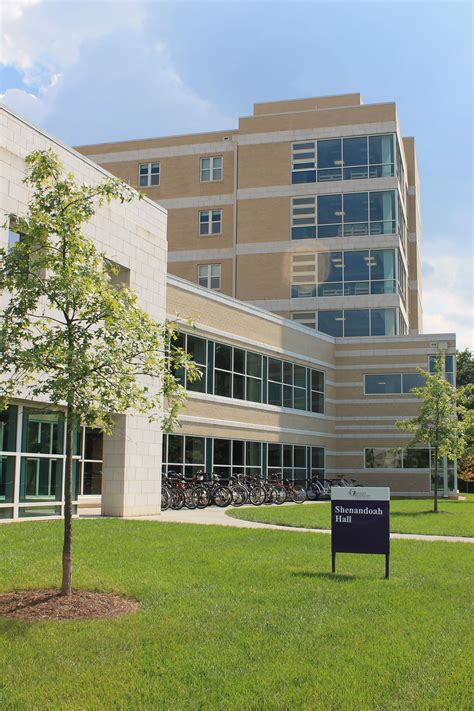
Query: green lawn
[(238, 619), (456, 518)]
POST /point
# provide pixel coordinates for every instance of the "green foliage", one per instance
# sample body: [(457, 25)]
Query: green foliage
[(68, 334), (438, 422), (465, 369), (239, 620)]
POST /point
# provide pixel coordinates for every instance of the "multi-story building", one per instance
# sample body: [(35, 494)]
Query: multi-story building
[(310, 209), (275, 396)]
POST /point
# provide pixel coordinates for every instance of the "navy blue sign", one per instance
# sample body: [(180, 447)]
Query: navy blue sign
[(360, 521)]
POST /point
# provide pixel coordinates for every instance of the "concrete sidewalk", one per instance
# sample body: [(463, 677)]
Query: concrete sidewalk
[(215, 516)]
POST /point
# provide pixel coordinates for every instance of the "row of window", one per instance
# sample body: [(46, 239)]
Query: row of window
[(245, 375), (347, 214), (397, 458), (389, 383), (188, 455), (354, 158), (42, 456), (210, 171), (353, 322), (351, 273)]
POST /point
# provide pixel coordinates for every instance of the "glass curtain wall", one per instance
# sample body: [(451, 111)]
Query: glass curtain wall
[(32, 459), (187, 455), (352, 158)]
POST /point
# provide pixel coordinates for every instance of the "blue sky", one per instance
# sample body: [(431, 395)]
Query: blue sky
[(95, 71)]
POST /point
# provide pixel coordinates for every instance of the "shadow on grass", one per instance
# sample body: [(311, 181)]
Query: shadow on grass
[(394, 514), (338, 577), (12, 629)]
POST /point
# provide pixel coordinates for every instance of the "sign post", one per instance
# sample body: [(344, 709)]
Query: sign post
[(360, 521)]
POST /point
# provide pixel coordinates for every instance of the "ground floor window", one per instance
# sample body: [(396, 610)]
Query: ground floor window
[(188, 455), (32, 462)]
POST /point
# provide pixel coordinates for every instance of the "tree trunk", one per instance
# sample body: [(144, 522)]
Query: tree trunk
[(66, 587), (435, 503)]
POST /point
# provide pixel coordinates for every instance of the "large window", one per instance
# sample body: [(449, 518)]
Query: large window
[(230, 457), (448, 366), (352, 273), (209, 276), (352, 158), (210, 222), (389, 383), (286, 384), (187, 455), (397, 458), (197, 349), (288, 460), (348, 215), (41, 471), (351, 322), (358, 322), (237, 373), (245, 375), (211, 169), (183, 454), (148, 175)]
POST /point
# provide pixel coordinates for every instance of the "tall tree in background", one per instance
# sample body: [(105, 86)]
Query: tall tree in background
[(440, 421), (465, 379), (69, 335)]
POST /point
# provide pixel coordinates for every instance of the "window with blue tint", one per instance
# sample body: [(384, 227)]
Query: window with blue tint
[(383, 383), (356, 322), (448, 366), (412, 380), (383, 322), (382, 271), (13, 239), (381, 157), (329, 215), (329, 160), (331, 322), (356, 214), (382, 213), (401, 277), (330, 274), (356, 272), (355, 158)]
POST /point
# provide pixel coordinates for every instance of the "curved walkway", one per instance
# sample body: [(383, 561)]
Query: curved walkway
[(217, 517)]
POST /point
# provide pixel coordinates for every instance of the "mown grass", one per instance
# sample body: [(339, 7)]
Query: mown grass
[(238, 619), (455, 518)]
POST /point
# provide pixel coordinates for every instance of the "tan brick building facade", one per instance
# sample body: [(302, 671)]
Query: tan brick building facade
[(299, 195)]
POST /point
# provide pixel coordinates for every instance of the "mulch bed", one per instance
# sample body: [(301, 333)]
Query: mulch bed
[(46, 605)]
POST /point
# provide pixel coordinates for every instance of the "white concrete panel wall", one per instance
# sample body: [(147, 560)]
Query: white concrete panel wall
[(134, 236)]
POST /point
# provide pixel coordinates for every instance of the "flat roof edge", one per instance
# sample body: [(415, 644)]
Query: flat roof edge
[(73, 152), (244, 306)]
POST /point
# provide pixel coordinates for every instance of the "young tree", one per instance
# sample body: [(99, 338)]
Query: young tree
[(70, 336), (439, 422)]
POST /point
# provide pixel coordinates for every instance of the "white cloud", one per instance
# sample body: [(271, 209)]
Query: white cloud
[(96, 71), (25, 103), (448, 294), (41, 36)]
